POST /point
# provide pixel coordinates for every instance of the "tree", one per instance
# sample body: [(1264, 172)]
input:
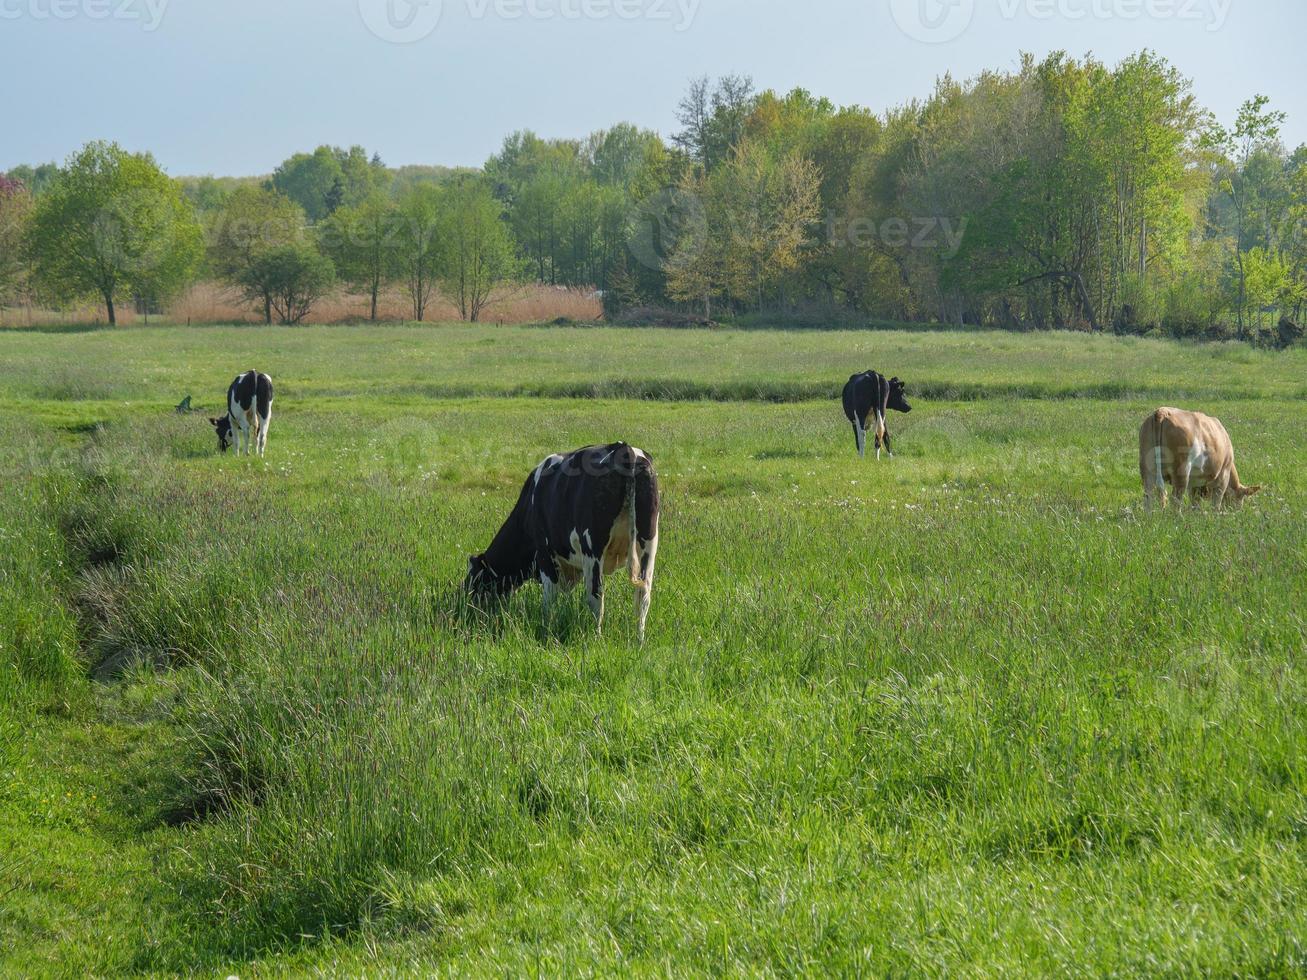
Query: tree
[(113, 222), (329, 178), (253, 222), (360, 240), (35, 179), (15, 213), (417, 244), (762, 210), (1256, 130), (714, 118), (1296, 237), (476, 249), (293, 276), (619, 153)]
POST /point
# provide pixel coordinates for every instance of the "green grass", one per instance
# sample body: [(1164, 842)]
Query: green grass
[(967, 711)]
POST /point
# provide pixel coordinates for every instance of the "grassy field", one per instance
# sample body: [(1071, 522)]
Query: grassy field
[(969, 711)]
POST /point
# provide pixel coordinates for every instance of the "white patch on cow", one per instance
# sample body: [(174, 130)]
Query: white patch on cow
[(588, 542), (544, 464), (862, 436), (1198, 461), (577, 556)]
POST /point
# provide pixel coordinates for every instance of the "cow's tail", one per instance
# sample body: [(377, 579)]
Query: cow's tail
[(1151, 453), (642, 509)]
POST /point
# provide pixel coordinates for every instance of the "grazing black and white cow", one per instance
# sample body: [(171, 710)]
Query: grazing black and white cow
[(579, 518), (870, 394), (249, 410)]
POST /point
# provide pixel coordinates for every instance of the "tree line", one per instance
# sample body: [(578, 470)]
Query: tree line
[(1065, 194)]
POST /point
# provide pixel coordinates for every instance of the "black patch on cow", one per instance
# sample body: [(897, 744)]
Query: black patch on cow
[(871, 392), (584, 492)]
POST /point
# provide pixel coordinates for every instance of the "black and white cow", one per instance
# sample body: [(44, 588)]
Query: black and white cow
[(579, 518), (867, 394), (249, 410)]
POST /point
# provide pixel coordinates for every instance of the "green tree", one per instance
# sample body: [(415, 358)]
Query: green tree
[(763, 210), (329, 178), (361, 242), (113, 223), (1256, 131), (35, 179), (476, 249), (294, 276), (714, 118), (417, 244), (253, 222), (15, 213)]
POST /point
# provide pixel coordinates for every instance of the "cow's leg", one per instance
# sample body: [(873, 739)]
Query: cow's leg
[(1180, 483), (1218, 491), (881, 434), (548, 594), (549, 585), (263, 430), (594, 589), (646, 555), (860, 436), (888, 448)]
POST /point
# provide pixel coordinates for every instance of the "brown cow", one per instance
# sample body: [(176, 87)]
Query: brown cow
[(1193, 453)]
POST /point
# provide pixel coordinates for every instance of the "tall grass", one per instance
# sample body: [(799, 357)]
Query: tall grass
[(212, 302), (969, 711), (962, 712)]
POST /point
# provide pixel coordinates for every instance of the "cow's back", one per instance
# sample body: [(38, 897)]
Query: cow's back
[(584, 496)]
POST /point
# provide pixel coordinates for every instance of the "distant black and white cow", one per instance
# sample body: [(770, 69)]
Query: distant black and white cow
[(249, 410), (870, 395), (579, 518)]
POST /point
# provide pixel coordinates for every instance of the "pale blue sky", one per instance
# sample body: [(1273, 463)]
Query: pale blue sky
[(235, 86)]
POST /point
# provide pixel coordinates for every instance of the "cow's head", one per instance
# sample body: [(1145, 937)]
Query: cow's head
[(223, 427), (898, 396), (482, 581), (1243, 493)]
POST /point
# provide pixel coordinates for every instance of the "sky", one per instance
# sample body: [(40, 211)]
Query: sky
[(234, 87)]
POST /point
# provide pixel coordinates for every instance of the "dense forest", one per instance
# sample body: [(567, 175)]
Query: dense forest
[(1068, 194)]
